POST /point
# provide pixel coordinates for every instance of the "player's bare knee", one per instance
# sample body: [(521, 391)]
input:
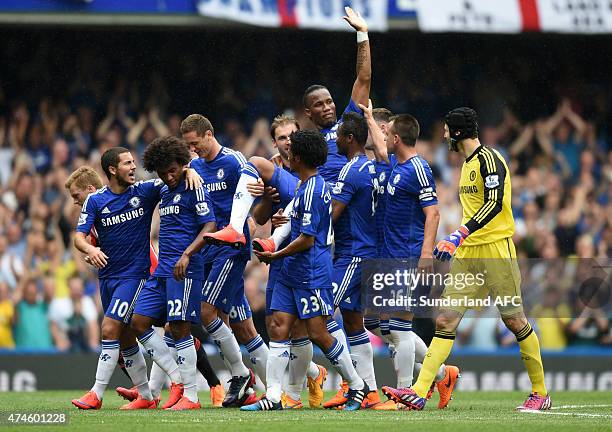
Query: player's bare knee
[(244, 331), (515, 323), (180, 329), (279, 330), (111, 329), (299, 330), (138, 325), (352, 321), (208, 313), (448, 321)]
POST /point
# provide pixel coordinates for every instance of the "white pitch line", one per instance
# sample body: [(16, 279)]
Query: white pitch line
[(581, 406), (568, 414)]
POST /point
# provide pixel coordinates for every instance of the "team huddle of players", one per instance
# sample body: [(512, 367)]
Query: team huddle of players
[(356, 183)]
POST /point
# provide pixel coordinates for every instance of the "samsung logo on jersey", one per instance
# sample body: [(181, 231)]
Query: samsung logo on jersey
[(331, 136), (468, 189), (124, 217), (214, 187), (169, 210)]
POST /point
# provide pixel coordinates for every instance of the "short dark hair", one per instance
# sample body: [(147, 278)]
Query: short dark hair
[(310, 146), (354, 124), (407, 127), (197, 123), (164, 151), (382, 114), (110, 158), (313, 88), (281, 120)]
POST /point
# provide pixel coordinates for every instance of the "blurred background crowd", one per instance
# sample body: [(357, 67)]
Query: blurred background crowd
[(67, 96)]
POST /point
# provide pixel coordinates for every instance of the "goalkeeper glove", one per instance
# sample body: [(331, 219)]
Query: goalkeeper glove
[(446, 248)]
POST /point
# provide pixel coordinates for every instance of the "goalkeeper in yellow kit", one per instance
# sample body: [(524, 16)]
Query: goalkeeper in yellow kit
[(483, 244)]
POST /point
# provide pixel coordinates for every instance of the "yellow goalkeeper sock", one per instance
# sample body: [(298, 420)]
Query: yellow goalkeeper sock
[(530, 354), (438, 352)]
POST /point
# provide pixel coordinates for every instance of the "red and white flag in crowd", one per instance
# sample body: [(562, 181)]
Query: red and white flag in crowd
[(314, 14), (514, 16)]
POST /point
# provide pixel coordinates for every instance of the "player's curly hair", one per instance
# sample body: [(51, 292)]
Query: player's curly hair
[(162, 152), (310, 146)]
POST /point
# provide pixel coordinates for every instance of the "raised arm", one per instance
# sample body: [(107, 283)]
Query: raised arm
[(378, 137), (361, 87)]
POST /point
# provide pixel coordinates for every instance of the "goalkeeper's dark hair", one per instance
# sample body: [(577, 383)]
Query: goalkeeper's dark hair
[(162, 152), (407, 127), (313, 88), (310, 146), (110, 158), (356, 125)]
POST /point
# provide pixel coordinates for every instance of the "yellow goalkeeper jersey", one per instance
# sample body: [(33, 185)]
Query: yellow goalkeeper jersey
[(485, 195)]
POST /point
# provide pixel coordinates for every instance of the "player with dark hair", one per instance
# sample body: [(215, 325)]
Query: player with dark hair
[(354, 198), (82, 182), (411, 199), (121, 214), (173, 292), (272, 202), (303, 289), (483, 244), (223, 291)]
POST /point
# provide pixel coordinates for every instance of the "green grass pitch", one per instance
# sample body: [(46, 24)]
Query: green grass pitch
[(469, 411)]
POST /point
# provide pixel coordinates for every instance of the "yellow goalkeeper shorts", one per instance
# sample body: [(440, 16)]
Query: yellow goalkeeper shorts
[(483, 275)]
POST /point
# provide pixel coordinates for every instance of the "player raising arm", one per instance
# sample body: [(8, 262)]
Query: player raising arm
[(320, 108)]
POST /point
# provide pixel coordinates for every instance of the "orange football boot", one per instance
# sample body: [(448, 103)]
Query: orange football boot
[(264, 245), (88, 401), (185, 404), (371, 400), (217, 394), (315, 388), (127, 394), (176, 393), (140, 403), (228, 236), (447, 384), (339, 398)]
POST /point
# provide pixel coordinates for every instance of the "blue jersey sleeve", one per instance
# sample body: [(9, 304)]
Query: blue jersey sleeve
[(88, 215), (352, 107), (343, 191), (203, 206), (151, 189), (422, 183), (311, 209), (238, 161)]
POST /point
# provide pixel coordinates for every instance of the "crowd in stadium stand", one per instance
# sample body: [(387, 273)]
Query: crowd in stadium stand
[(560, 160)]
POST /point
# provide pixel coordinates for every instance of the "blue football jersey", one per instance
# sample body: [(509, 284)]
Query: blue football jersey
[(335, 161), (383, 170), (410, 187), (123, 224), (311, 215), (221, 177), (357, 189), (277, 265), (182, 213)]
